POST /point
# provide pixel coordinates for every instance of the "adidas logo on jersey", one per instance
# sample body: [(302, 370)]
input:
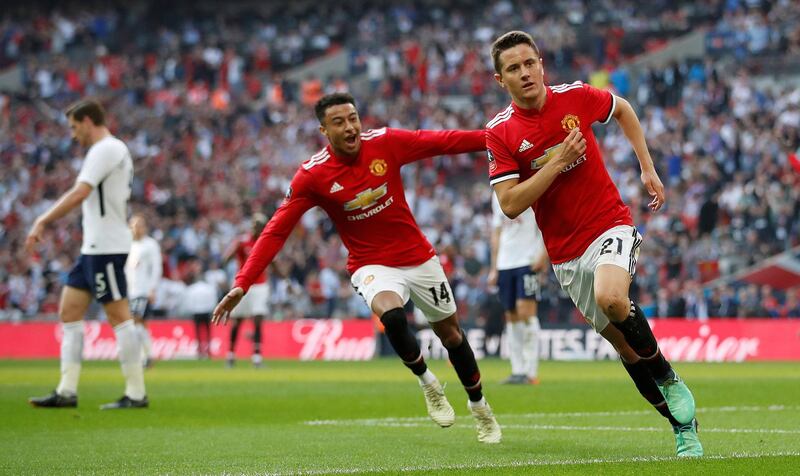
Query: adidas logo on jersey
[(336, 187), (525, 145)]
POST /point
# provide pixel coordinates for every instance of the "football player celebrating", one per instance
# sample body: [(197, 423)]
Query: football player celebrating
[(542, 153), (356, 180)]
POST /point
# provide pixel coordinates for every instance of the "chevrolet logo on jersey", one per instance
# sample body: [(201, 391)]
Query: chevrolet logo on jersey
[(366, 199), (552, 152), (539, 162)]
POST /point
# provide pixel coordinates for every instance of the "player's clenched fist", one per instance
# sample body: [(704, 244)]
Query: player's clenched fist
[(574, 147)]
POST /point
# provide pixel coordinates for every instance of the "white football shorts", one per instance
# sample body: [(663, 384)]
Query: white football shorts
[(618, 246), (425, 284)]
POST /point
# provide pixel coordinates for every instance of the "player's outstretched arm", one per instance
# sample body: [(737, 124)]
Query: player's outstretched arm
[(71, 199), (632, 128), (274, 234), (223, 310), (421, 144)]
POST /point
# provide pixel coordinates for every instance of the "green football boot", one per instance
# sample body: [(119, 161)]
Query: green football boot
[(680, 400), (686, 441)]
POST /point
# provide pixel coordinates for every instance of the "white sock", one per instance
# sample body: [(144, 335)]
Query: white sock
[(515, 335), (144, 340), (531, 346), (427, 378), (129, 352), (71, 355), (479, 403)]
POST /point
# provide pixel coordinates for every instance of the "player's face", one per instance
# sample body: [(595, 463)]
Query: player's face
[(342, 127), (138, 227), (80, 130), (522, 74), (257, 228)]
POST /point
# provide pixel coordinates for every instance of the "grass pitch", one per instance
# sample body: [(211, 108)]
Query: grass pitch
[(369, 417)]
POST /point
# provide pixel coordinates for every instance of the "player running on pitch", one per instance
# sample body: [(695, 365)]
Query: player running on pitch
[(356, 180), (542, 153)]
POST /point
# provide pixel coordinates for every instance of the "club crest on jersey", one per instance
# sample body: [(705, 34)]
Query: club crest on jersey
[(570, 122), (378, 167), (492, 163), (366, 199)]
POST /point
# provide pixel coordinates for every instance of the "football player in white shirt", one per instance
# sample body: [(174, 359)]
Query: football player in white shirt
[(143, 272), (102, 189), (518, 255)]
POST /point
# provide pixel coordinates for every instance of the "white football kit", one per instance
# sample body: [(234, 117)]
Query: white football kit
[(143, 268), (108, 168), (520, 239)]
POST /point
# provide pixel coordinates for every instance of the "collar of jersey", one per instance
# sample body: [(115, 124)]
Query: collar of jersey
[(345, 160), (534, 112)]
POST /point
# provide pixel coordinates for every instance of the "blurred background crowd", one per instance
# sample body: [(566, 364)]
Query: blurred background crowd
[(215, 105)]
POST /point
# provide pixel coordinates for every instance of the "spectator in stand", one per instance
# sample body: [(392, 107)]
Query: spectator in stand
[(792, 306), (194, 165)]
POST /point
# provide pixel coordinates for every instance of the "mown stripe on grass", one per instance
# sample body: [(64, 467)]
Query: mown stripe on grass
[(533, 463), (376, 421)]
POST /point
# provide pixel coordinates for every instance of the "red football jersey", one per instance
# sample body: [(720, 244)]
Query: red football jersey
[(582, 202), (364, 197), (243, 249)]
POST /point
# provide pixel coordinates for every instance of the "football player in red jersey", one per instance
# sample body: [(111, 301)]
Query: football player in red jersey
[(542, 154), (356, 180), (255, 304)]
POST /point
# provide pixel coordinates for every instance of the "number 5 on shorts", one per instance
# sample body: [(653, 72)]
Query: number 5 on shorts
[(99, 284)]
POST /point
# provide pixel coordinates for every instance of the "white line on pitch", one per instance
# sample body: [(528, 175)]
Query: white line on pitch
[(531, 463), (654, 429), (517, 426), (401, 420)]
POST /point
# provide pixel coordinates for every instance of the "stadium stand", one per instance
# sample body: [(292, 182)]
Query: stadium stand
[(217, 129)]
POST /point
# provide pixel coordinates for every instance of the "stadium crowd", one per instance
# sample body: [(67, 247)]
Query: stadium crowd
[(217, 130)]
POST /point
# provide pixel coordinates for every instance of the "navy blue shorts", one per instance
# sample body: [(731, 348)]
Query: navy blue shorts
[(517, 283), (102, 275)]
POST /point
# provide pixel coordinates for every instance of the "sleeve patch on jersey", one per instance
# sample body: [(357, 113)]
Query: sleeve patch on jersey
[(492, 162)]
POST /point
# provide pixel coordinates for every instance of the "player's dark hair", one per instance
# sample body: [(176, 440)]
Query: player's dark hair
[(329, 100), (87, 108), (510, 40), (259, 221)]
